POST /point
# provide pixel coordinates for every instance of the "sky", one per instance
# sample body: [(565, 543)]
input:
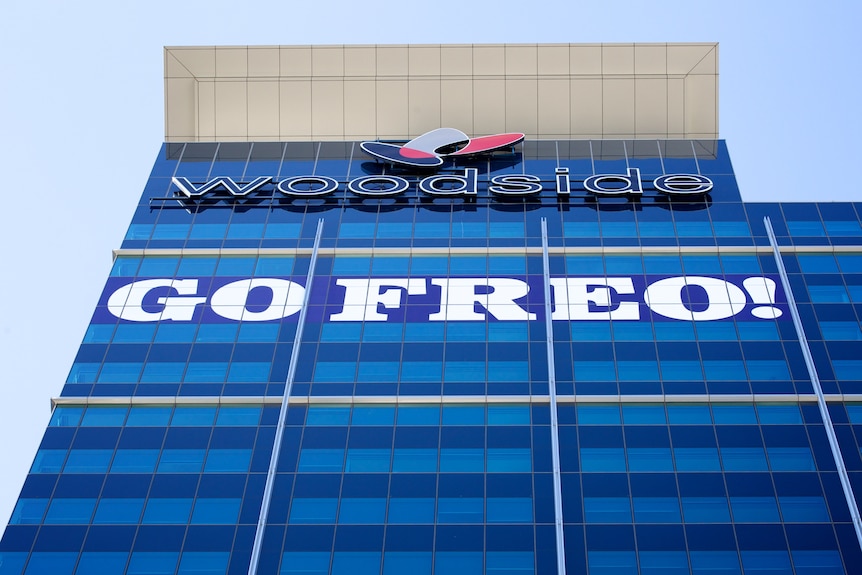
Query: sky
[(81, 117)]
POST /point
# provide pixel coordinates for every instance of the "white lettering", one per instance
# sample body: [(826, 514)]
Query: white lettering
[(723, 299), (127, 302), (576, 298), (230, 300), (458, 298), (362, 297)]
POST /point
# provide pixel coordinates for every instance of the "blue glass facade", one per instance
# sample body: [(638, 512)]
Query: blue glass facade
[(376, 398)]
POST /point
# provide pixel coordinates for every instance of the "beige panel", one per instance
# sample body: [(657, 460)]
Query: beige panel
[(174, 68), (676, 107), (554, 108), (650, 106), (295, 109), (392, 60), (392, 116), (180, 109), (489, 106), (586, 106), (489, 60), (360, 61), (682, 58), (424, 105), (218, 78), (456, 104), (650, 59), (327, 61), (521, 61), (700, 100), (618, 59), (206, 119), (200, 62), (708, 65), (231, 104), (585, 59), (553, 59), (263, 113), (456, 60), (232, 62), (360, 111), (618, 101), (424, 60), (263, 62), (522, 105), (327, 108), (295, 61)]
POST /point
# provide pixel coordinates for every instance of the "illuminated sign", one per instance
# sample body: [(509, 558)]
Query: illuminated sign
[(429, 149), (347, 299), (464, 184)]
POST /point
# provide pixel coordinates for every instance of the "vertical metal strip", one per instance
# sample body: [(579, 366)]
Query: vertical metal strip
[(815, 382), (552, 393), (282, 414)]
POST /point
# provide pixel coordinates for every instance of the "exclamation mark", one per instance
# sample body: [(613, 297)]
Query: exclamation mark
[(762, 291)]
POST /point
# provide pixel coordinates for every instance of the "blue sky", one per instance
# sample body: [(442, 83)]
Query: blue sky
[(81, 111)]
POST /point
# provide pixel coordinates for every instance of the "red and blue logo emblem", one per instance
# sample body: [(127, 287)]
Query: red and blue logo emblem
[(431, 148)]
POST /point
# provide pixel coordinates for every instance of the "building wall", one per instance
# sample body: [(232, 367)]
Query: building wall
[(424, 443)]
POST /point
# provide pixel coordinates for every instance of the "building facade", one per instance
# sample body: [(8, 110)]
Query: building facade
[(574, 350)]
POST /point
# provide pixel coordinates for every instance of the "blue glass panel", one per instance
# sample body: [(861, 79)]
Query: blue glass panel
[(790, 459), (509, 460), (210, 511), (810, 509), (28, 512), (328, 415), (321, 460), (460, 510), (663, 563), (314, 510), (355, 563), (135, 461), (418, 415), (696, 459), (153, 563), (603, 459), (119, 511), (227, 460), (362, 510), (754, 509), (411, 510), (811, 562), (705, 510), (413, 562), (656, 509), (236, 415), (414, 460), (461, 562), (766, 562), (462, 459), (193, 416), (509, 563), (42, 563), (612, 563), (48, 461), (101, 563), (743, 459), (607, 510), (97, 416), (367, 460), (510, 510), (203, 563), (168, 510), (714, 563), (181, 461), (70, 511), (649, 459), (305, 563), (149, 416), (473, 415), (88, 461)]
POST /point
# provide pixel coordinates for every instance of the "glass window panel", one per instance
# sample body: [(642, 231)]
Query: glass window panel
[(705, 510), (362, 510), (460, 510), (411, 510), (313, 510), (305, 563), (607, 510), (209, 511), (168, 510)]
